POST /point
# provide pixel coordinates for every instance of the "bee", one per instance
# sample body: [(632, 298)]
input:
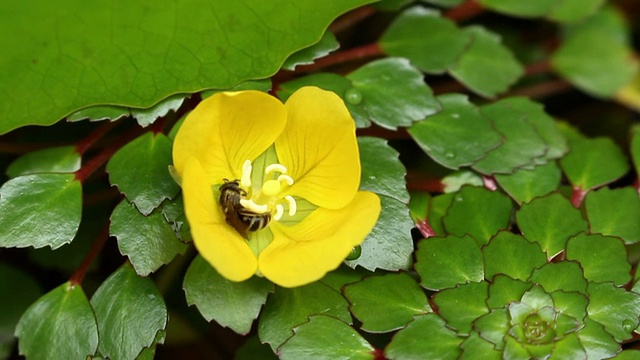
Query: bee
[(239, 217)]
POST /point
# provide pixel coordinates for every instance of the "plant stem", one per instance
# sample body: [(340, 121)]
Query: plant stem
[(340, 57), (464, 11), (578, 196), (84, 144), (95, 249), (351, 18)]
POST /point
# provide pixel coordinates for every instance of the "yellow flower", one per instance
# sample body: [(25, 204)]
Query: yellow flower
[(289, 208)]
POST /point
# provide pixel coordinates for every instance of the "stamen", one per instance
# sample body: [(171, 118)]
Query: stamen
[(251, 205), (245, 181), (274, 168), (286, 178), (279, 212), (293, 206), (271, 188)]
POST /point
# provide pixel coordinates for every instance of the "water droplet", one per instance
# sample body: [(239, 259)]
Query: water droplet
[(353, 96), (372, 177), (628, 325), (450, 155), (455, 116), (355, 253)]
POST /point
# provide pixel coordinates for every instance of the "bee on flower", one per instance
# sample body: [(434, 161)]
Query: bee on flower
[(271, 188)]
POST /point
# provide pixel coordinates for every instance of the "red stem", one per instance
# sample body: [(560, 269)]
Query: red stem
[(351, 18), (425, 229), (84, 144), (538, 67), (489, 182), (578, 196), (102, 157), (542, 90), (464, 11), (358, 53), (95, 249)]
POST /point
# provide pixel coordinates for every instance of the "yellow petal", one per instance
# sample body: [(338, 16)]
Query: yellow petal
[(217, 242), (319, 148), (226, 129), (305, 252)]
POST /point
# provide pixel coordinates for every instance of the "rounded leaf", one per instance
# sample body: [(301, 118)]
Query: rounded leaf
[(441, 342)]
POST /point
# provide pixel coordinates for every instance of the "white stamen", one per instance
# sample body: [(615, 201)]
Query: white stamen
[(275, 167), (293, 206), (286, 178), (279, 212), (251, 205), (245, 181)]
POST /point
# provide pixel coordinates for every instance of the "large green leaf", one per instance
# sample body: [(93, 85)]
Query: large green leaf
[(382, 171), (64, 159), (525, 184), (289, 308), (615, 213), (325, 337), (511, 255), (388, 302), (140, 171), (461, 305), (130, 314), (615, 308), (60, 325), (231, 304), (596, 56), (32, 214), (594, 162), (457, 136), (148, 241), (432, 43), (436, 340), (66, 55), (608, 263)]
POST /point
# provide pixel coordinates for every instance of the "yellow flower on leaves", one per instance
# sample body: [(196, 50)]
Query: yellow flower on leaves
[(272, 188)]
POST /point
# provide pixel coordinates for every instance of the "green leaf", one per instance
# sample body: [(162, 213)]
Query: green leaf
[(461, 305), (325, 337), (602, 258), (144, 53), (574, 10), (389, 245), (598, 343), (392, 92), (494, 326), (432, 43), (326, 45), (504, 290), (499, 67), (635, 147), (31, 211), (591, 46), (594, 162), (386, 303), (289, 308), (475, 347), (253, 349), (478, 212), (64, 159), (456, 180), (130, 313), (525, 184), (522, 144), (627, 355), (447, 262), (231, 304), (550, 221), (60, 325), (148, 241), (511, 255), (615, 213), (564, 275), (140, 171), (437, 341), (458, 135), (342, 276), (615, 308), (569, 348), (19, 289), (100, 113), (445, 3), (519, 7), (382, 171)]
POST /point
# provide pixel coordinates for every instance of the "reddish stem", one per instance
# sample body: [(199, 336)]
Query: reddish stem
[(102, 157), (578, 196), (464, 11), (636, 184), (425, 229), (489, 182), (340, 57), (378, 354), (429, 185), (351, 18), (538, 67), (542, 90), (95, 249), (84, 144)]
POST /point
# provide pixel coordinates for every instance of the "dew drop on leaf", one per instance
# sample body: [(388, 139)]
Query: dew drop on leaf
[(353, 96), (628, 325)]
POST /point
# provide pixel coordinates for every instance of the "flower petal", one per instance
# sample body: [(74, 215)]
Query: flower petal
[(217, 242), (305, 252), (319, 148), (226, 129)]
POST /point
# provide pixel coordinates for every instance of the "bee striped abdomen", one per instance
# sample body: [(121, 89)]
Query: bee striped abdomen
[(240, 218)]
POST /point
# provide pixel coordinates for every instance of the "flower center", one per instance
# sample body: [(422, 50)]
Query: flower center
[(268, 198)]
